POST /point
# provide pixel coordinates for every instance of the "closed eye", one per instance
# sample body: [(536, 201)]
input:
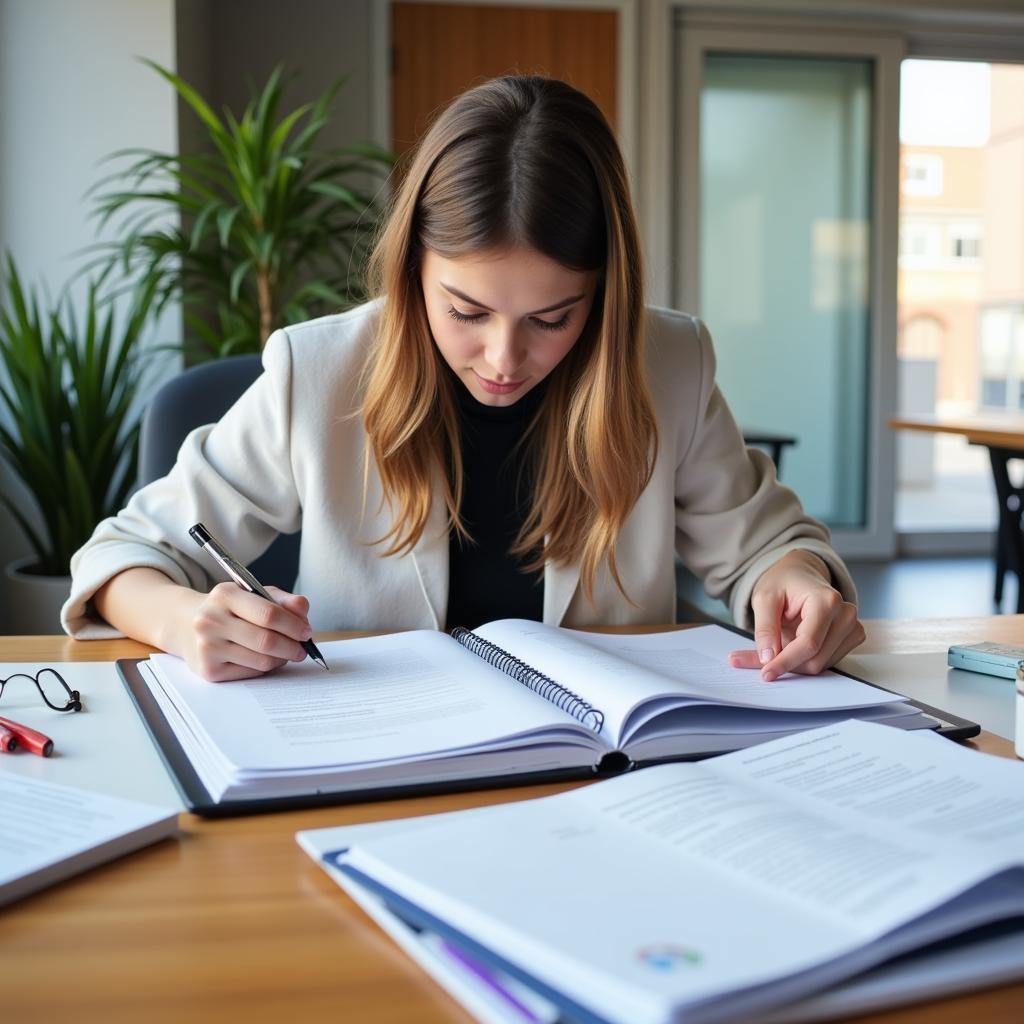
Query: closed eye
[(464, 318), (544, 325), (556, 325)]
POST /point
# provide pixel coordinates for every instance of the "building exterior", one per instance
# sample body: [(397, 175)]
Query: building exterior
[(961, 276)]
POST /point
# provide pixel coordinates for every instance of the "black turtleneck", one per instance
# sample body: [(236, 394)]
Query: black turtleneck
[(485, 580)]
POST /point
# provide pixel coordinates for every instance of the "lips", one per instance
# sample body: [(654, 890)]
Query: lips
[(494, 388)]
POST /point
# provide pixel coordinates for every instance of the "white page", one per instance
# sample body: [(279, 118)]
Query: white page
[(921, 787), (965, 967), (857, 821), (982, 963), (388, 697), (574, 885), (50, 830), (223, 781), (578, 902), (618, 672)]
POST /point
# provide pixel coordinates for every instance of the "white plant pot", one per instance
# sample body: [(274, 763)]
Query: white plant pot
[(31, 603)]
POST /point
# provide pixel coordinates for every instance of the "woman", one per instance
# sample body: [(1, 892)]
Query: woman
[(505, 431)]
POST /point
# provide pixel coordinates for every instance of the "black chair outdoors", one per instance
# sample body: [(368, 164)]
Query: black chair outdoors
[(199, 395), (1010, 532)]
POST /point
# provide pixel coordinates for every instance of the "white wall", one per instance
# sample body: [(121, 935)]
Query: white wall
[(72, 92)]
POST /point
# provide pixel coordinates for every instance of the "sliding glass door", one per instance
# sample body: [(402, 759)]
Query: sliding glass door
[(787, 171)]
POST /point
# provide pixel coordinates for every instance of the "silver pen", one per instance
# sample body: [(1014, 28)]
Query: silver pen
[(241, 575)]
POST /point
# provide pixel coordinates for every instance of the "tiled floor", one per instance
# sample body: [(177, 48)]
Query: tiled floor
[(950, 489), (905, 588), (931, 588)]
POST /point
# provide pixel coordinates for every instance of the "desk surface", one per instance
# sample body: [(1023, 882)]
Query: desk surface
[(235, 922), (994, 431)]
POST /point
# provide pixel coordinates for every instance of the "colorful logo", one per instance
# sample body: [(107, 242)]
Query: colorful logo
[(667, 956)]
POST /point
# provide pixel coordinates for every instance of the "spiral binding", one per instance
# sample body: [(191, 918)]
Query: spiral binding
[(541, 684)]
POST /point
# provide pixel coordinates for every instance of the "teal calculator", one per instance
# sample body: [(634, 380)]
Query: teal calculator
[(990, 658)]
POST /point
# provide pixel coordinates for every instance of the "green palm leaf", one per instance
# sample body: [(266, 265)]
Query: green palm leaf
[(270, 225), (67, 386)]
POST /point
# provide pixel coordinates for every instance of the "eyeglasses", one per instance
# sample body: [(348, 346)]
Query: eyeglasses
[(52, 688)]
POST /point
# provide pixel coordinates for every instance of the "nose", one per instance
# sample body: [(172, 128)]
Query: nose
[(505, 352)]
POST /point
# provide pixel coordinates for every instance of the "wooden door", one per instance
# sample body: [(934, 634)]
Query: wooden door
[(440, 50)]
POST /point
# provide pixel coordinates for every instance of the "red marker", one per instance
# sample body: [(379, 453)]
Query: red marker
[(32, 741), (8, 741)]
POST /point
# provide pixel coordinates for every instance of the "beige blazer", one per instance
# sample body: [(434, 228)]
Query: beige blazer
[(288, 454)]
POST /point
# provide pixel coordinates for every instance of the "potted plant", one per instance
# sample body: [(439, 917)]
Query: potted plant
[(264, 229), (69, 432)]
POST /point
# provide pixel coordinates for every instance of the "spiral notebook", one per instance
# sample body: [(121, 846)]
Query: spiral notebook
[(511, 701)]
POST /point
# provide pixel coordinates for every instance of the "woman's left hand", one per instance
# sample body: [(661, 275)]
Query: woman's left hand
[(801, 622)]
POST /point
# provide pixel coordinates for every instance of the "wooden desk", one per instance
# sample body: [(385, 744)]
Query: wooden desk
[(991, 431), (234, 923), (1003, 436)]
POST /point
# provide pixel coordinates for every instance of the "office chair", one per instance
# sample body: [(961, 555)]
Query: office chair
[(202, 394)]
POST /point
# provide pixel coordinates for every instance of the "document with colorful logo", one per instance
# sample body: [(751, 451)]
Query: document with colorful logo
[(710, 891)]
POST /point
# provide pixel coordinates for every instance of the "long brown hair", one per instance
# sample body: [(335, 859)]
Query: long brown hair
[(531, 162)]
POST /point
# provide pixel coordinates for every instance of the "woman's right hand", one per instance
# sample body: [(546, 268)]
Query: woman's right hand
[(233, 634)]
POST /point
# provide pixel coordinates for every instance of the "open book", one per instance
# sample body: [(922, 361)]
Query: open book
[(53, 831), (514, 698), (768, 883)]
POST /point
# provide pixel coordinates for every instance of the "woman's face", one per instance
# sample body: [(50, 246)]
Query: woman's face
[(504, 320)]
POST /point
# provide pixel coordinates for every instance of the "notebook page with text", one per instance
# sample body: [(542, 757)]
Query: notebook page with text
[(386, 698), (617, 672)]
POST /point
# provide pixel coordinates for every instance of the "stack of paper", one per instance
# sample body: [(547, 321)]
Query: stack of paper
[(720, 890)]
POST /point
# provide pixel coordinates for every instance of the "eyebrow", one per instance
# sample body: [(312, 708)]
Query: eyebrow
[(547, 309)]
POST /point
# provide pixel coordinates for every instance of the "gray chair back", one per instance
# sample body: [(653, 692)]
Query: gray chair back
[(202, 394)]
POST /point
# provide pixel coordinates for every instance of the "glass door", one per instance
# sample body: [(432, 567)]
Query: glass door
[(788, 164), (961, 290)]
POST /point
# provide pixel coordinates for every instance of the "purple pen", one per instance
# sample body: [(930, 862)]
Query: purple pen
[(490, 980)]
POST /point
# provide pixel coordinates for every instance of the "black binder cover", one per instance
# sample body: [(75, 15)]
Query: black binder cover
[(199, 801)]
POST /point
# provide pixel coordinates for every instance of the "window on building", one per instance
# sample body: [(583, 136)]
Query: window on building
[(922, 174), (920, 242), (965, 241), (1001, 358)]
